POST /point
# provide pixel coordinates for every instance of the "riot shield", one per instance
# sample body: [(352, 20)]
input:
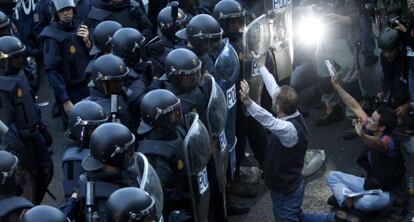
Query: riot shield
[(216, 122), (148, 180), (227, 63), (256, 38), (281, 41), (196, 153), (228, 67)]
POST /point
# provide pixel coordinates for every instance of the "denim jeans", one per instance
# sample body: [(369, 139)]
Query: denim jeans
[(338, 181), (287, 208)]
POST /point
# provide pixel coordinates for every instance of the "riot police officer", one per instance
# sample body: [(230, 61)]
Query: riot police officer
[(44, 213), (9, 28), (101, 40), (194, 7), (167, 25), (182, 77), (11, 204), (109, 74), (101, 37), (27, 135), (43, 14), (160, 114), (131, 204), (183, 70), (128, 13), (65, 52), (204, 36), (232, 16), (232, 19), (128, 44), (108, 168), (83, 120)]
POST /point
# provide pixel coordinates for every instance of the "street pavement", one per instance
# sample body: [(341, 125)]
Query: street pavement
[(340, 155)]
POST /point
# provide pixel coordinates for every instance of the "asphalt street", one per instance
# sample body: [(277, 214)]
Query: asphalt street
[(340, 155)]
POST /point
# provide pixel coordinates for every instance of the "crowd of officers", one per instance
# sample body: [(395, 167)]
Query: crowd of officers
[(123, 83), (132, 85)]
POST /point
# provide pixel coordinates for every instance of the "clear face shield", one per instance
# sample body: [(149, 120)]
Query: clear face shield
[(112, 84), (83, 129), (212, 42), (169, 116), (233, 23), (188, 78), (127, 150)]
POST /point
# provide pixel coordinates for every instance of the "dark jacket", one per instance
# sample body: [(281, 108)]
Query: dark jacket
[(282, 165)]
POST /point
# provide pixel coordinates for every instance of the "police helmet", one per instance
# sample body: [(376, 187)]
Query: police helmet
[(62, 4), (230, 15), (102, 35), (127, 43), (84, 117), (10, 46), (131, 204), (166, 22), (203, 32), (157, 106), (181, 63), (8, 166), (44, 213), (4, 20), (111, 144), (388, 39), (109, 73)]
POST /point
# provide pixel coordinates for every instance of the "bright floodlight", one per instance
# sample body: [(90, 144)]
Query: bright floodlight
[(310, 30)]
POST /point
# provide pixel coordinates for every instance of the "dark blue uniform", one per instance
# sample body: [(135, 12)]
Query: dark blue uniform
[(158, 51), (66, 58), (105, 101), (130, 15), (42, 15), (163, 148), (27, 136)]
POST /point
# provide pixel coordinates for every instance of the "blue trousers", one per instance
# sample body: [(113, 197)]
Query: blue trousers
[(287, 208), (339, 182)]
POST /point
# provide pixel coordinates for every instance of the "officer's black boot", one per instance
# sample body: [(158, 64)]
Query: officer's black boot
[(337, 114)]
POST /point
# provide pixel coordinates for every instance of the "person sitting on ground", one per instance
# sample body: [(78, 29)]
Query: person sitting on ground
[(381, 158)]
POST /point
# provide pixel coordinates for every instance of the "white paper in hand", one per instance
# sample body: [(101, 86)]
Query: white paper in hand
[(330, 67)]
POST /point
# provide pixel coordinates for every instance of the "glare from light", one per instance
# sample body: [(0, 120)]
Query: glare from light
[(311, 30)]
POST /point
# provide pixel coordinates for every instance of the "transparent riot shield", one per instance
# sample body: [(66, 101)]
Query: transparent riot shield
[(196, 152), (216, 122), (227, 63), (281, 39), (148, 180), (228, 67), (256, 38)]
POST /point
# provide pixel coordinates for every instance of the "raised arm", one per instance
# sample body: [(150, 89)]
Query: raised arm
[(349, 101)]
